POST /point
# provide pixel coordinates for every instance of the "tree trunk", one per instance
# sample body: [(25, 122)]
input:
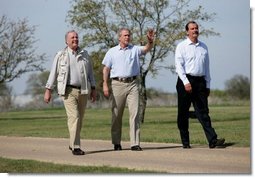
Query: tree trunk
[(142, 98)]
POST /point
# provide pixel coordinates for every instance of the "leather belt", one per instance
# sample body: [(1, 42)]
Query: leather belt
[(125, 79), (72, 86), (195, 77)]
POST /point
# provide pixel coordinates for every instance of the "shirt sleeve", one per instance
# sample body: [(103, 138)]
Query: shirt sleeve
[(207, 71), (179, 65), (107, 60), (140, 50), (91, 76), (53, 73)]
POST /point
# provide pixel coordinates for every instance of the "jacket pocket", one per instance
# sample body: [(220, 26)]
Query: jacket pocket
[(60, 78)]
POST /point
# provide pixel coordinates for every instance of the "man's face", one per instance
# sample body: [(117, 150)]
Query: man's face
[(72, 40), (193, 31), (124, 38)]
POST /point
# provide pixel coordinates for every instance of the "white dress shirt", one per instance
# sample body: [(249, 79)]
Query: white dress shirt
[(193, 59)]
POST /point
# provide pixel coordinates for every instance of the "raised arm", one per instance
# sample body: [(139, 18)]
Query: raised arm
[(150, 38)]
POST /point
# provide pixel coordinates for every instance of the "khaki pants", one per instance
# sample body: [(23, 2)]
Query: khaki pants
[(125, 93), (75, 104)]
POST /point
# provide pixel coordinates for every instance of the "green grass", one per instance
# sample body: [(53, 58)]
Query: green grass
[(230, 122), (30, 166)]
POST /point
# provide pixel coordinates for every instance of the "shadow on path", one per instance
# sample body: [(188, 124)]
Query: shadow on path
[(144, 148)]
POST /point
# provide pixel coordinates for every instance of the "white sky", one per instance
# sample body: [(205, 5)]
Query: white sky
[(229, 53)]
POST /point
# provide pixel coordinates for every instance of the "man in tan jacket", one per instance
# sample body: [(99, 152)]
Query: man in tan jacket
[(73, 71)]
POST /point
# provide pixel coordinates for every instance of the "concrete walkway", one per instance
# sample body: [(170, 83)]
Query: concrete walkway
[(160, 157)]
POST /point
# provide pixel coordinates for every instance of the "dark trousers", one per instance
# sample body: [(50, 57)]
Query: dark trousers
[(199, 99)]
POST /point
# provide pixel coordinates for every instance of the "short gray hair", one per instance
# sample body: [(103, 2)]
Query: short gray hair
[(70, 31)]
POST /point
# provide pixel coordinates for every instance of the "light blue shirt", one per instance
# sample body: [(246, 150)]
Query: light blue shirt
[(123, 62), (192, 59)]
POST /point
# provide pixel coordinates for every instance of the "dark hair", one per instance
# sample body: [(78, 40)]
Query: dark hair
[(187, 25)]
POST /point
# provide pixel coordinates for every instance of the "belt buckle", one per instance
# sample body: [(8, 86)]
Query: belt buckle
[(122, 79), (125, 79)]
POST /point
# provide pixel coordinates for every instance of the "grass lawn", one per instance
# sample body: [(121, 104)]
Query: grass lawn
[(230, 122), (30, 166)]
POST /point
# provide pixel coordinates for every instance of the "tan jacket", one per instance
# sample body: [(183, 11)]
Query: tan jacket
[(60, 70)]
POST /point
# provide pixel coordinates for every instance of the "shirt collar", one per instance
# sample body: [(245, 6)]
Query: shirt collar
[(70, 51), (189, 42), (120, 48)]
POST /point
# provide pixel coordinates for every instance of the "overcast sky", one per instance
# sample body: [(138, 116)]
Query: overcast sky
[(229, 53)]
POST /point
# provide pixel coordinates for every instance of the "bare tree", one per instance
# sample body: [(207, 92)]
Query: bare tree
[(36, 83), (17, 53), (36, 88), (6, 98), (101, 19)]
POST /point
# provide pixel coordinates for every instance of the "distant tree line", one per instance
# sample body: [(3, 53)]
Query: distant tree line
[(236, 88)]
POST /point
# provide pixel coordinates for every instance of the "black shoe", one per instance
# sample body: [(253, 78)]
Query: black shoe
[(136, 148), (186, 146), (70, 148), (217, 142), (78, 151), (117, 147)]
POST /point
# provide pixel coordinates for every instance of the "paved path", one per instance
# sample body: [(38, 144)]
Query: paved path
[(164, 157)]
